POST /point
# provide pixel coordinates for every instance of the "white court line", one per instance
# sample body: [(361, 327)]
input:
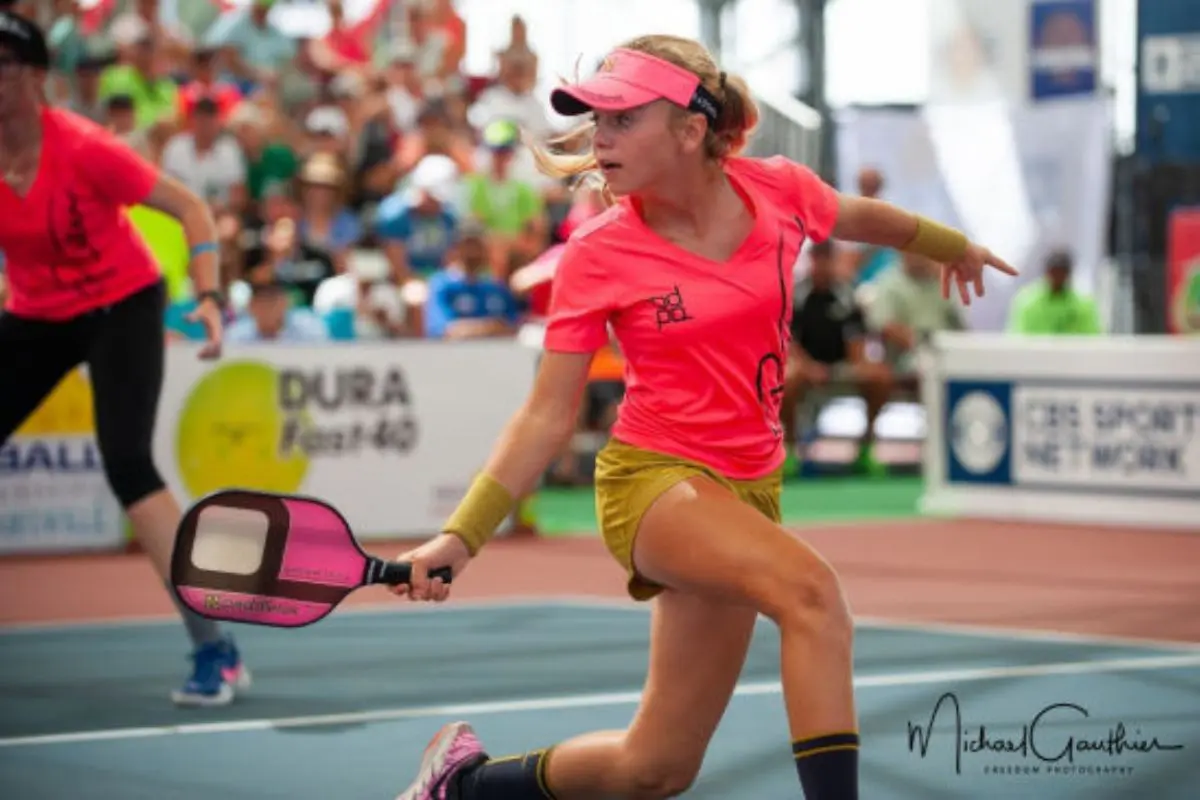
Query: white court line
[(604, 700), (1025, 634), (474, 606)]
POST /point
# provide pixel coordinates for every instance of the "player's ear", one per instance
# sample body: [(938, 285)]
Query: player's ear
[(690, 129)]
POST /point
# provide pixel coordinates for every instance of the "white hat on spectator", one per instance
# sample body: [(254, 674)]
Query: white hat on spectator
[(436, 174), (327, 119), (129, 29)]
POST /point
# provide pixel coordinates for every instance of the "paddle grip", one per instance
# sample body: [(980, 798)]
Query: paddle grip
[(399, 572)]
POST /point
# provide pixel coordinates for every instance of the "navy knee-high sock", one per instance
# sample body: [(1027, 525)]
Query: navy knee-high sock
[(511, 778), (828, 766)]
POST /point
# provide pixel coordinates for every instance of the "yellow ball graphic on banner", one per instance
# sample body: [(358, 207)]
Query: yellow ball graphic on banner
[(66, 411), (230, 431)]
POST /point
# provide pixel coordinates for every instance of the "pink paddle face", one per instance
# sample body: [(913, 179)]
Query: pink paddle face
[(265, 559)]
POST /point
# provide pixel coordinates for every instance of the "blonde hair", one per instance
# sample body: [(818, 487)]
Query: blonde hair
[(570, 157)]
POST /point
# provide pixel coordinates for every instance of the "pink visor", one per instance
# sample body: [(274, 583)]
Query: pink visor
[(628, 79)]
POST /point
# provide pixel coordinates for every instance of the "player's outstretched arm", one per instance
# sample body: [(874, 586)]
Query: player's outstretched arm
[(869, 221), (529, 442)]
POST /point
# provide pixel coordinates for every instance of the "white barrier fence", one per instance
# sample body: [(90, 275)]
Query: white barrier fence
[(1090, 430), (1097, 430), (391, 434)]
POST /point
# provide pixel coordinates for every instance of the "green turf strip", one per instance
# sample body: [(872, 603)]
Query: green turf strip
[(806, 501)]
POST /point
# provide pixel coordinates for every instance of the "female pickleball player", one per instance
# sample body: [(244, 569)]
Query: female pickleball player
[(692, 268), (84, 288)]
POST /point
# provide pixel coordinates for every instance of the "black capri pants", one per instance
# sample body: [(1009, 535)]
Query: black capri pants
[(123, 346)]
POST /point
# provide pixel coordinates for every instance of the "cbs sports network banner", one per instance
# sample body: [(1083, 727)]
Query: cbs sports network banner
[(391, 435), (1103, 430)]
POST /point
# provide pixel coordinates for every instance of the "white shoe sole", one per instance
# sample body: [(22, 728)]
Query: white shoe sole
[(434, 760), (222, 698)]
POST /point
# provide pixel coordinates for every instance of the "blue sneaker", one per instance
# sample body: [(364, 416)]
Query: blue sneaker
[(216, 669)]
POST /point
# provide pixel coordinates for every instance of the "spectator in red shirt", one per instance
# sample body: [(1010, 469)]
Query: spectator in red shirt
[(205, 83), (346, 47)]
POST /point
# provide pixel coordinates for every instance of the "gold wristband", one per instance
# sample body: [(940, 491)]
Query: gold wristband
[(486, 505), (943, 244)]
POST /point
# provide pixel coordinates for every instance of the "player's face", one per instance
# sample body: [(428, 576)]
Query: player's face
[(208, 124), (1058, 278), (634, 148), (473, 252), (269, 310), (320, 196), (12, 75)]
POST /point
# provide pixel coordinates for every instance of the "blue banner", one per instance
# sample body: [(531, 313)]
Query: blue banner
[(1108, 437), (1063, 49), (1168, 88)]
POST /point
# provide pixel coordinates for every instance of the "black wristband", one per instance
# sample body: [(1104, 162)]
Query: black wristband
[(211, 294)]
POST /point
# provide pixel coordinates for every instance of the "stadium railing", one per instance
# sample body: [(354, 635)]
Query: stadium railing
[(787, 127)]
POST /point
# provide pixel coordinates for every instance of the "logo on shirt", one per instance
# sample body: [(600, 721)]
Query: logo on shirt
[(78, 264), (769, 383), (669, 308)]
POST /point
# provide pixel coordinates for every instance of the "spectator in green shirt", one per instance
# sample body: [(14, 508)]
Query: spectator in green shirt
[(1051, 307), (155, 97), (511, 209), (269, 161)]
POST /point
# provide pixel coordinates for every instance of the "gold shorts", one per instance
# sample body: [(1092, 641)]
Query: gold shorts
[(628, 481)]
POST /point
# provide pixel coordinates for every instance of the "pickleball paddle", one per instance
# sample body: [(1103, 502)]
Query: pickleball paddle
[(282, 561)]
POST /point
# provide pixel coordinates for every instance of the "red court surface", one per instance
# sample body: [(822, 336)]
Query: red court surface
[(1090, 580)]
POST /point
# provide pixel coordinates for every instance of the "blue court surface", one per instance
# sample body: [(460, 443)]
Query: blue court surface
[(342, 710)]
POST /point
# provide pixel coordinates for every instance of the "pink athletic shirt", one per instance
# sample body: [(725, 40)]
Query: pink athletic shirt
[(705, 343), (68, 244)]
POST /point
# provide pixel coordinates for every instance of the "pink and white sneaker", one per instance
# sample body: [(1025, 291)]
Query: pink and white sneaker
[(451, 749)]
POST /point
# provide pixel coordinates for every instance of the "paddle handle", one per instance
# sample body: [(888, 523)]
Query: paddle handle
[(395, 573)]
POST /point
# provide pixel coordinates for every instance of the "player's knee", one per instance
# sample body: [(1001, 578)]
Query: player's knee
[(131, 476), (807, 595), (657, 777)]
